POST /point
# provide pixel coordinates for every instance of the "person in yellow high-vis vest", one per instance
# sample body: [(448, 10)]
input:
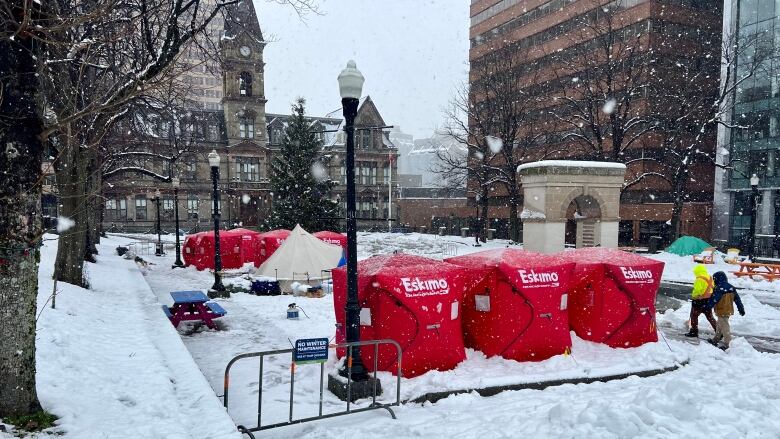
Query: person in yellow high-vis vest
[(700, 297)]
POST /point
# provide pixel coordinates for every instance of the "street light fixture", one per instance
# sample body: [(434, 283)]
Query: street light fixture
[(351, 86), (754, 180), (175, 183), (217, 290), (158, 251)]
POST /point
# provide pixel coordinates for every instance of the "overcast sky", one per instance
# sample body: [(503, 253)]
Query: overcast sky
[(413, 54)]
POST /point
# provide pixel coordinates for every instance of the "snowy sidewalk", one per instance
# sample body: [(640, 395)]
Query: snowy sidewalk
[(111, 365)]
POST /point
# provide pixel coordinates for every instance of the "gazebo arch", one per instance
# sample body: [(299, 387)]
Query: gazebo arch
[(549, 189)]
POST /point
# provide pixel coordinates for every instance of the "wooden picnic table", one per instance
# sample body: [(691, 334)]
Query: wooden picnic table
[(769, 272), (193, 305)]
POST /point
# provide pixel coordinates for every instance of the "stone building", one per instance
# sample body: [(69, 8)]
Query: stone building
[(246, 144), (375, 160)]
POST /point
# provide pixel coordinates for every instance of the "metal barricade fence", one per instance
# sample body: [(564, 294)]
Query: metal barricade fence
[(290, 420)]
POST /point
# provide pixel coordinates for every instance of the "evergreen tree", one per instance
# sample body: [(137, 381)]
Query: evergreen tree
[(299, 182)]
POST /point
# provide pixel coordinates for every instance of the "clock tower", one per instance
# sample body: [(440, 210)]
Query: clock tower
[(242, 71)]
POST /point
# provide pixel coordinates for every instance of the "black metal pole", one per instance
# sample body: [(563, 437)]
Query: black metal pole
[(218, 287), (178, 262), (477, 224), (753, 214), (159, 250), (352, 309)]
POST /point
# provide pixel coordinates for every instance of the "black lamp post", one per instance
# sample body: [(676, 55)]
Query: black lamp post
[(753, 213), (175, 183), (350, 86), (217, 289), (158, 251), (477, 222)]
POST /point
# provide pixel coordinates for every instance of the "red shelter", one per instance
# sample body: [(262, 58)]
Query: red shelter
[(413, 300), (250, 244), (519, 308), (269, 242), (612, 300), (229, 246), (333, 238), (191, 252)]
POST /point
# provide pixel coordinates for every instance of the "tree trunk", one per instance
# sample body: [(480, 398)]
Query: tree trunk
[(514, 218), (20, 227), (93, 206), (71, 183), (483, 216), (676, 220), (677, 206)]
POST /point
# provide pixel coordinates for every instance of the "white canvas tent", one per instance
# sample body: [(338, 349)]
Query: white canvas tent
[(301, 258)]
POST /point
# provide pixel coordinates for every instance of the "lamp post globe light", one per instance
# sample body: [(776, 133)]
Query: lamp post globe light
[(350, 87), (754, 180), (176, 183), (217, 290), (158, 251)]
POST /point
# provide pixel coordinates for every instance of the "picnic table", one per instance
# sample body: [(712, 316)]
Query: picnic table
[(769, 272), (193, 305)]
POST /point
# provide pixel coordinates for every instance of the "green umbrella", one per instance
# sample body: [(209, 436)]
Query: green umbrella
[(687, 245)]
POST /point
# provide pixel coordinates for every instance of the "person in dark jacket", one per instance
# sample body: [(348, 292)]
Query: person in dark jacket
[(722, 300)]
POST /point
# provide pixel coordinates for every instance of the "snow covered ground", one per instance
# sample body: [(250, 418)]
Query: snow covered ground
[(651, 407), (111, 365)]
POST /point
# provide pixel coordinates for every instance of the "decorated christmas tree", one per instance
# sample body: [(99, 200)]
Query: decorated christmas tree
[(299, 181)]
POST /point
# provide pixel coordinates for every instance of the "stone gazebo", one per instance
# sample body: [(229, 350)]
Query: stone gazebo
[(555, 191)]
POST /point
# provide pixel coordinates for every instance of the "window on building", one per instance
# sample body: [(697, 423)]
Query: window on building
[(277, 135), (167, 208), (49, 206), (365, 139), (140, 208), (372, 176), (213, 133), (386, 175), (246, 128), (165, 128), (190, 168), (343, 175), (248, 168), (49, 180), (245, 84), (193, 205), (116, 209), (219, 206)]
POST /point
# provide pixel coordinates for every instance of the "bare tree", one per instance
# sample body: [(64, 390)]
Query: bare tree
[(67, 70), (690, 105), (602, 82), (498, 120), (90, 78)]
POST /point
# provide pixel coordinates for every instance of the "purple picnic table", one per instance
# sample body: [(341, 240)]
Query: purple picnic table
[(193, 305)]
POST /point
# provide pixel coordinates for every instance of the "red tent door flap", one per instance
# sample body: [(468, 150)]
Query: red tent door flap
[(394, 321)]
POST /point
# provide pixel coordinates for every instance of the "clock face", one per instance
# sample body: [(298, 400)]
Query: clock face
[(245, 51)]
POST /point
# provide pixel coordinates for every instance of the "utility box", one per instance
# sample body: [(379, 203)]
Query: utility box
[(490, 233), (464, 232), (442, 231)]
